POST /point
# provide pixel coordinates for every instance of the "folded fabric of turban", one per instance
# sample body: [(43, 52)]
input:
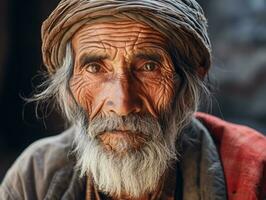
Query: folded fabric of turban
[(181, 21)]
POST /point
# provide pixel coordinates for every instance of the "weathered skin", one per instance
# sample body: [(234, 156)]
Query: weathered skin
[(121, 67)]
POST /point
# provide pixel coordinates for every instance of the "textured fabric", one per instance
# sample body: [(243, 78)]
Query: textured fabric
[(243, 154), (181, 21), (46, 171)]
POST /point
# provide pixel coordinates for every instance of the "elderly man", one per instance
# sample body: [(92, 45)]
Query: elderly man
[(128, 76)]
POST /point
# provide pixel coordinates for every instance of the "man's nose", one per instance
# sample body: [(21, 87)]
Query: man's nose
[(123, 99)]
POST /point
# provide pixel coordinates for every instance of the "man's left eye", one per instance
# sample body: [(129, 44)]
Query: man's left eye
[(149, 66)]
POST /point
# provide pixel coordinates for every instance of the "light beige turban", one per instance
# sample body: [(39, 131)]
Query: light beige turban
[(181, 21)]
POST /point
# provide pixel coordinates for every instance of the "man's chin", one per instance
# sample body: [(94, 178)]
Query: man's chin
[(122, 142)]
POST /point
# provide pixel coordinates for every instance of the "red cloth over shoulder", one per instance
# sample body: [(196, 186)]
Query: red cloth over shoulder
[(243, 155)]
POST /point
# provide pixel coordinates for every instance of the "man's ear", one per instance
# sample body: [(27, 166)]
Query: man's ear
[(201, 72)]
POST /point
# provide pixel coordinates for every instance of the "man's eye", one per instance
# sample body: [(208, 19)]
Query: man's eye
[(149, 66), (93, 68)]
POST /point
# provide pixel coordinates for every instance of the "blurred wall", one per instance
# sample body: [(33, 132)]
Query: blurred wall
[(3, 41), (238, 33), (20, 61)]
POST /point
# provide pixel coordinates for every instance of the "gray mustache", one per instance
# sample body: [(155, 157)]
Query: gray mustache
[(146, 124)]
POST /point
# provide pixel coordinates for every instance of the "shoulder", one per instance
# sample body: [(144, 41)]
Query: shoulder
[(229, 134), (243, 154), (33, 171)]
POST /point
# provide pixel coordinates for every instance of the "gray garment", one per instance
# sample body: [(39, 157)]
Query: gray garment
[(201, 168), (46, 169)]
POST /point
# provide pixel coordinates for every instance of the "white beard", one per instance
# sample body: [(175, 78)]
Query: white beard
[(134, 174)]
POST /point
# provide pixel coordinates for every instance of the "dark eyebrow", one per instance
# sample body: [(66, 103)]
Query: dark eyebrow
[(89, 58), (149, 56)]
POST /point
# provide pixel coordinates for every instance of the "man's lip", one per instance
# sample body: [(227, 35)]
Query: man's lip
[(117, 132)]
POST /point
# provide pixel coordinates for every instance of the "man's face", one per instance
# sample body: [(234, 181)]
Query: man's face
[(121, 68)]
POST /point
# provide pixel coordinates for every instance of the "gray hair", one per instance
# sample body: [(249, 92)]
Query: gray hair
[(56, 89)]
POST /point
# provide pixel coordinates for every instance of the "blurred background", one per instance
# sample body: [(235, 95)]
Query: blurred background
[(237, 29)]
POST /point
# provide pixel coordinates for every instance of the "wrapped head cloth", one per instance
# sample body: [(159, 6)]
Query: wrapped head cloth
[(182, 22)]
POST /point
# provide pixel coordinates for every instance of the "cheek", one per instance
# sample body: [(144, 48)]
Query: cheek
[(83, 91), (160, 91)]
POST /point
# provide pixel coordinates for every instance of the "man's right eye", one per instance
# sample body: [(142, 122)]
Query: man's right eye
[(93, 68)]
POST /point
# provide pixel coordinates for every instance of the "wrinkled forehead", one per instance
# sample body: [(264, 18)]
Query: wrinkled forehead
[(119, 33)]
